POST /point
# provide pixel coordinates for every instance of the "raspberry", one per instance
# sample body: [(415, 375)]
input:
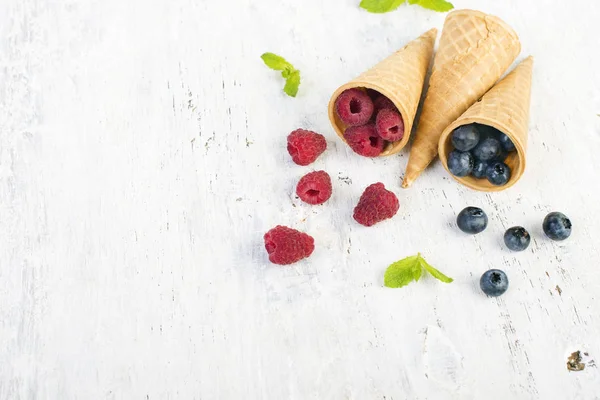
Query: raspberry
[(389, 125), (364, 140), (375, 205), (354, 107), (286, 245), (314, 187), (382, 102), (373, 94), (305, 146)]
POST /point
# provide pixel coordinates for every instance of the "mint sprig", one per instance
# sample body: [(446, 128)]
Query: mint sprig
[(288, 72), (409, 269), (435, 5), (383, 6)]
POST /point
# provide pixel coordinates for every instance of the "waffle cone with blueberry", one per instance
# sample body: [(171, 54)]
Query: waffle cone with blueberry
[(505, 111), (475, 50), (398, 81)]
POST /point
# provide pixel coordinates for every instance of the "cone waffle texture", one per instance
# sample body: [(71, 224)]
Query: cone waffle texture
[(475, 50), (400, 78), (506, 108)]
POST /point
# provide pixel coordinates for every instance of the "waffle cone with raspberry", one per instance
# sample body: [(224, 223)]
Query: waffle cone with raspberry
[(475, 50), (506, 108), (400, 78)]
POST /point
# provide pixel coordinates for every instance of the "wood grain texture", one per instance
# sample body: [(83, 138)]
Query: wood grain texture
[(142, 158)]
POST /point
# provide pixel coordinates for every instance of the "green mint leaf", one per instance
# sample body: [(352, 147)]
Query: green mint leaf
[(435, 5), (402, 272), (381, 6), (409, 269), (276, 62), (434, 272), (417, 271), (287, 72), (291, 83)]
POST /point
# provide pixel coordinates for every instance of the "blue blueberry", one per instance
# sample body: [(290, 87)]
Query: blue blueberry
[(557, 226), (465, 137), (498, 173), (487, 149), (460, 163), (487, 131), (479, 169), (517, 238), (502, 154), (506, 143), (494, 282), (472, 220)]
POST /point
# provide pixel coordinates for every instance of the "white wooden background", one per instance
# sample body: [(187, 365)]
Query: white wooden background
[(142, 158)]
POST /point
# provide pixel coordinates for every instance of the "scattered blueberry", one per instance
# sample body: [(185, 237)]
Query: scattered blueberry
[(479, 169), (487, 149), (557, 226), (465, 137), (472, 220), (498, 173), (460, 163), (517, 238), (494, 282)]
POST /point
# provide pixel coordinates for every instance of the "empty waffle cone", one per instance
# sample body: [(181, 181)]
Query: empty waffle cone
[(475, 50), (400, 78), (506, 108)]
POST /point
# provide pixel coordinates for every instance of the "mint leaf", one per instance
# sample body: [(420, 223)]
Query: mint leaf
[(292, 83), (417, 271), (435, 5), (434, 272), (409, 269), (402, 272), (380, 6), (276, 62), (288, 72)]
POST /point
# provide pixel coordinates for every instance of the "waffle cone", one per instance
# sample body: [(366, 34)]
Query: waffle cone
[(400, 78), (506, 108), (475, 50)]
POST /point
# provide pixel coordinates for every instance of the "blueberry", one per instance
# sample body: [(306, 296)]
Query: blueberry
[(502, 154), (472, 220), (506, 143), (487, 149), (494, 282), (460, 163), (465, 137), (487, 131), (517, 238), (479, 169), (557, 226), (498, 173)]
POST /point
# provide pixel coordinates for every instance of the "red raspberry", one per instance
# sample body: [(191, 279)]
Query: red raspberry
[(314, 187), (286, 245), (375, 205), (364, 140), (305, 146), (354, 107), (373, 94), (382, 102), (389, 125)]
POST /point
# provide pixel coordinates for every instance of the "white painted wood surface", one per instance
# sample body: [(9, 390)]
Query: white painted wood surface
[(142, 157)]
